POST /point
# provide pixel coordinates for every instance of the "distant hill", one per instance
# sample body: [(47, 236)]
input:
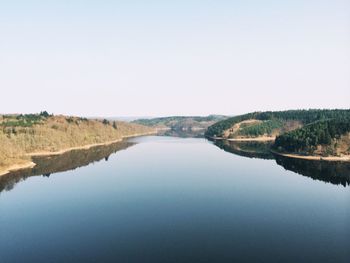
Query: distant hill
[(306, 132), (21, 135), (120, 118), (181, 122)]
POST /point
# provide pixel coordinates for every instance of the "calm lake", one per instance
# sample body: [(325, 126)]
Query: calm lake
[(166, 199)]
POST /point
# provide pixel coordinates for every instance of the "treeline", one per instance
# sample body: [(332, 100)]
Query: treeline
[(179, 122), (307, 138), (29, 120), (171, 119), (304, 116), (23, 120)]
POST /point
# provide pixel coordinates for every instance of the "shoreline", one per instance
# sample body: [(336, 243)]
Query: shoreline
[(87, 146), (345, 158), (260, 139), (16, 167), (31, 164)]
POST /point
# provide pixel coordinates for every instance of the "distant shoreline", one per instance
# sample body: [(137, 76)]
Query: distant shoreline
[(260, 139), (345, 158), (31, 164)]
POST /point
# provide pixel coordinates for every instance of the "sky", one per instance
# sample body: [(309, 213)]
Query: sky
[(184, 57)]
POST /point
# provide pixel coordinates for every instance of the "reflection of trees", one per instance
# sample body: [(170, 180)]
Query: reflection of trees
[(182, 133), (260, 150), (58, 163), (331, 172)]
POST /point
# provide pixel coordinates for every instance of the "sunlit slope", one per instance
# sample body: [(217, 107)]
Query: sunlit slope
[(33, 133)]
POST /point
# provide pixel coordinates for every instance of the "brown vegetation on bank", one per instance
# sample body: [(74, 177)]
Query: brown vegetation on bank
[(253, 130), (21, 135)]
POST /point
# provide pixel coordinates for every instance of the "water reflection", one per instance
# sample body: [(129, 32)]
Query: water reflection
[(48, 165), (331, 172), (260, 150), (182, 133), (337, 173)]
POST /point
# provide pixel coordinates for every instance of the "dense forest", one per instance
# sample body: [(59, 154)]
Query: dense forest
[(304, 116), (326, 133)]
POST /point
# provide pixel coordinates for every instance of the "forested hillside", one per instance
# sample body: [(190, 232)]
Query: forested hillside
[(325, 137), (302, 116), (33, 133), (303, 132)]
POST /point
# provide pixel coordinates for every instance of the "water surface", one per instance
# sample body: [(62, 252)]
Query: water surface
[(163, 199)]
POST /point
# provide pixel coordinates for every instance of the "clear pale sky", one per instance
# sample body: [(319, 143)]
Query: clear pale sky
[(156, 58)]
